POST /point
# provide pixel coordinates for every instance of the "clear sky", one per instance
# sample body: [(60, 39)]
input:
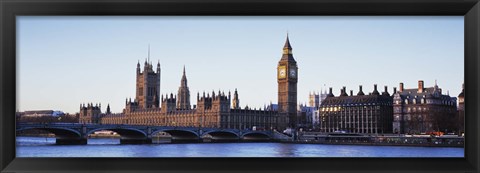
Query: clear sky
[(65, 61)]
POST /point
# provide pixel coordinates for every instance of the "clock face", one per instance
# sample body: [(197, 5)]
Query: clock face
[(293, 73), (282, 72)]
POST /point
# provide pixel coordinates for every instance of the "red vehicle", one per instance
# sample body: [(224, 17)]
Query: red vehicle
[(435, 133)]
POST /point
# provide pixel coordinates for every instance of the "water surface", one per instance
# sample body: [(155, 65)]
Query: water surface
[(45, 147)]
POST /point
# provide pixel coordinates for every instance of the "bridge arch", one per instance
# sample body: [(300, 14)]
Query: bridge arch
[(127, 135), (256, 136), (58, 131), (180, 135), (63, 136), (221, 135)]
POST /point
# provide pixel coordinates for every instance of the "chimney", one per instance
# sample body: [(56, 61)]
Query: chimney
[(401, 87), (330, 94), (344, 91), (420, 86), (375, 91), (351, 92), (386, 91), (360, 92)]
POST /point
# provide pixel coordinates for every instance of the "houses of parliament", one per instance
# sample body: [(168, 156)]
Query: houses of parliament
[(215, 109)]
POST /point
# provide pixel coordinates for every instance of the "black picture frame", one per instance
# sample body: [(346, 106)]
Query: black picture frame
[(9, 9)]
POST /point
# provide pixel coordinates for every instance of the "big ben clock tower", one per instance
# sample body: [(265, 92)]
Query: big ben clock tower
[(287, 79)]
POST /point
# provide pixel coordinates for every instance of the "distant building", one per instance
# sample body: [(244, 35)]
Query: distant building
[(356, 113), (90, 113), (211, 111), (461, 111), (40, 113), (305, 115), (423, 110), (315, 99), (216, 110)]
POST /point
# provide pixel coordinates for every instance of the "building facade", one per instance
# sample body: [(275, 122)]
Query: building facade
[(315, 100), (423, 110), (356, 113), (305, 116), (461, 110), (90, 113), (148, 85), (218, 110)]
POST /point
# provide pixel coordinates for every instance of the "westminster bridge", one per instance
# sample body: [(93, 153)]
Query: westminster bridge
[(77, 134)]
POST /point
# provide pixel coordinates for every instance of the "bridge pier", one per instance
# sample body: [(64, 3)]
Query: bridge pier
[(71, 141), (136, 141)]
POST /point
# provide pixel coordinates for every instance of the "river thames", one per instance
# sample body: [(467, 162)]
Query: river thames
[(107, 147)]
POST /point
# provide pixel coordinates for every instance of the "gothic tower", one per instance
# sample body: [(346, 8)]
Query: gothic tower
[(183, 101), (148, 84), (236, 101), (287, 79)]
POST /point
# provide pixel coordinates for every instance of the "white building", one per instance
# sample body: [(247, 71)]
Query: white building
[(315, 100)]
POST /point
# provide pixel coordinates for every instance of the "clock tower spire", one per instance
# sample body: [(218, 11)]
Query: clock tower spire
[(287, 79)]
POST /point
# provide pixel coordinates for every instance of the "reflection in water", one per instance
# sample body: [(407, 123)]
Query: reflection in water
[(110, 147)]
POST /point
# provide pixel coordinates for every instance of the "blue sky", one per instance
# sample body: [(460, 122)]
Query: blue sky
[(64, 61)]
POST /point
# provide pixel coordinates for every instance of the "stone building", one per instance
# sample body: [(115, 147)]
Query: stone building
[(461, 110), (90, 113), (356, 113), (212, 110), (315, 100), (148, 86), (305, 116), (423, 110)]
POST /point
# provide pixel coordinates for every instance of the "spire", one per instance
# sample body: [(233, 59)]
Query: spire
[(108, 109), (287, 51), (184, 78), (287, 43), (184, 69), (148, 52)]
